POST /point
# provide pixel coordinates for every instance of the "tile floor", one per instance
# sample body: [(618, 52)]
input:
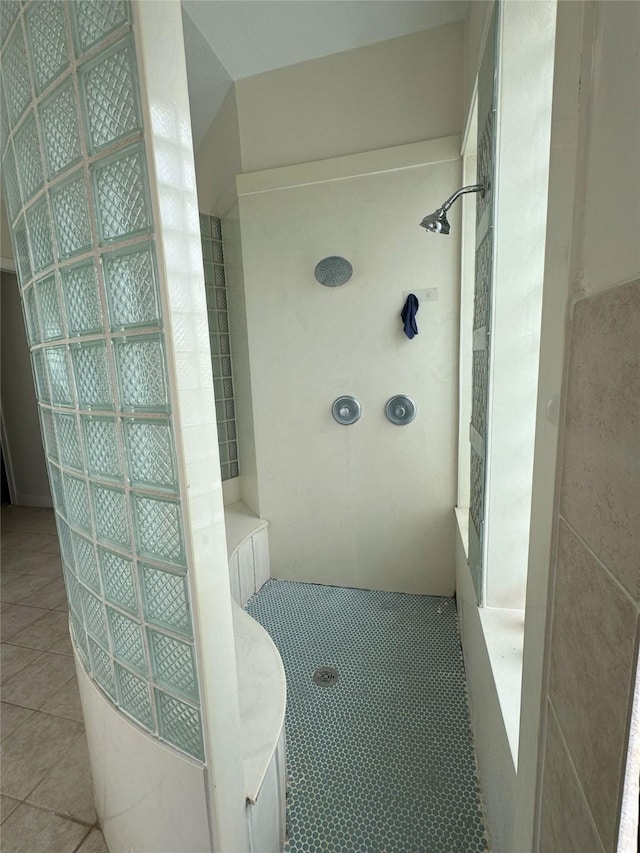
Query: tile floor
[(382, 761), (46, 789)]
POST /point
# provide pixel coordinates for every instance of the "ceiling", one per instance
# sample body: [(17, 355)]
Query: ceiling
[(227, 40)]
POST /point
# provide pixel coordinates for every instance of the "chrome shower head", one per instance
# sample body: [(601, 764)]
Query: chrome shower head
[(437, 222)]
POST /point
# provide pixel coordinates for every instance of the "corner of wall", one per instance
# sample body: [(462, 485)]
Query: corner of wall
[(218, 158)]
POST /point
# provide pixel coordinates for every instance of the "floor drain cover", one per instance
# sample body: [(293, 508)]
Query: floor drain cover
[(325, 676)]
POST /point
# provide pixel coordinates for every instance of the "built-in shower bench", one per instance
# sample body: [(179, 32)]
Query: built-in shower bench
[(262, 686)]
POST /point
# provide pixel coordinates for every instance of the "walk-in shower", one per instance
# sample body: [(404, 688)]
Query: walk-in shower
[(437, 221)]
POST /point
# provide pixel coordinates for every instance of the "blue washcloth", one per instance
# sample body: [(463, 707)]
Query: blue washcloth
[(408, 315)]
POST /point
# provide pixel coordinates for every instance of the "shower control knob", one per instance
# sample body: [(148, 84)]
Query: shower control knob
[(346, 410), (400, 410)]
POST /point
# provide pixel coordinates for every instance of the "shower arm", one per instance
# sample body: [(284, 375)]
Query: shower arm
[(473, 188)]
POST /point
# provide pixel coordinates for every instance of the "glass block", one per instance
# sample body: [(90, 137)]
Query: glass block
[(15, 74), (159, 529), (166, 599), (150, 454), (208, 275), (221, 301), (126, 639), (59, 376), (94, 616), (101, 668), (118, 579), (131, 285), (216, 228), (110, 92), (28, 159), (95, 19), (59, 123), (21, 250), (222, 321), (68, 437), (77, 500), (57, 489), (47, 293), (173, 664), (219, 278), (86, 561), (71, 217), (80, 289), (79, 636), (47, 37), (207, 252), (10, 11), (40, 235), (31, 316), (100, 438), (4, 120), (64, 537), (40, 376), (234, 470), (218, 254), (49, 433), (112, 523), (141, 374), (122, 196), (92, 375), (11, 185), (180, 724), (135, 697)]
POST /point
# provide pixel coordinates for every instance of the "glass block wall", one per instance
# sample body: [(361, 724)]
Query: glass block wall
[(77, 188), (221, 362)]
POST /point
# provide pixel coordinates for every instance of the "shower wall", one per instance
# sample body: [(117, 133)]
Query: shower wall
[(367, 505)]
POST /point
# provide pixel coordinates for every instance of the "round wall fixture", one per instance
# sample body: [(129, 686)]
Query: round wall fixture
[(400, 410), (333, 271), (346, 410)]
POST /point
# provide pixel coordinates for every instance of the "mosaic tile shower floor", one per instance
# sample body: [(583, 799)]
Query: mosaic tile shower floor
[(382, 761)]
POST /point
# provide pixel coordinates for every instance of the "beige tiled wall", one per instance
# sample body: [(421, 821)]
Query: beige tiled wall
[(594, 636)]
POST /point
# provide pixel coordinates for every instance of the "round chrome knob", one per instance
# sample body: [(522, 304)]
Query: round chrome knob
[(346, 410), (400, 410)]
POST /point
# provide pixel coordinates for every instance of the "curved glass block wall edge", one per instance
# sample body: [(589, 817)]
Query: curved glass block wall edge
[(78, 187)]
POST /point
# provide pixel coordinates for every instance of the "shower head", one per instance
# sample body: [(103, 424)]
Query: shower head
[(437, 222)]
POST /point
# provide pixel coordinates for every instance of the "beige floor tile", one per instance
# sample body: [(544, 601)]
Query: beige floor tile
[(66, 702), (94, 843), (33, 685), (12, 717), (13, 659), (52, 627), (33, 750), (50, 566), (7, 805), (49, 594), (63, 647), (31, 830), (68, 788), (42, 542), (22, 561), (16, 617), (7, 577), (23, 586)]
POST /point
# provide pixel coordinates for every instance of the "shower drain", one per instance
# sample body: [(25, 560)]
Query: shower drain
[(325, 676)]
